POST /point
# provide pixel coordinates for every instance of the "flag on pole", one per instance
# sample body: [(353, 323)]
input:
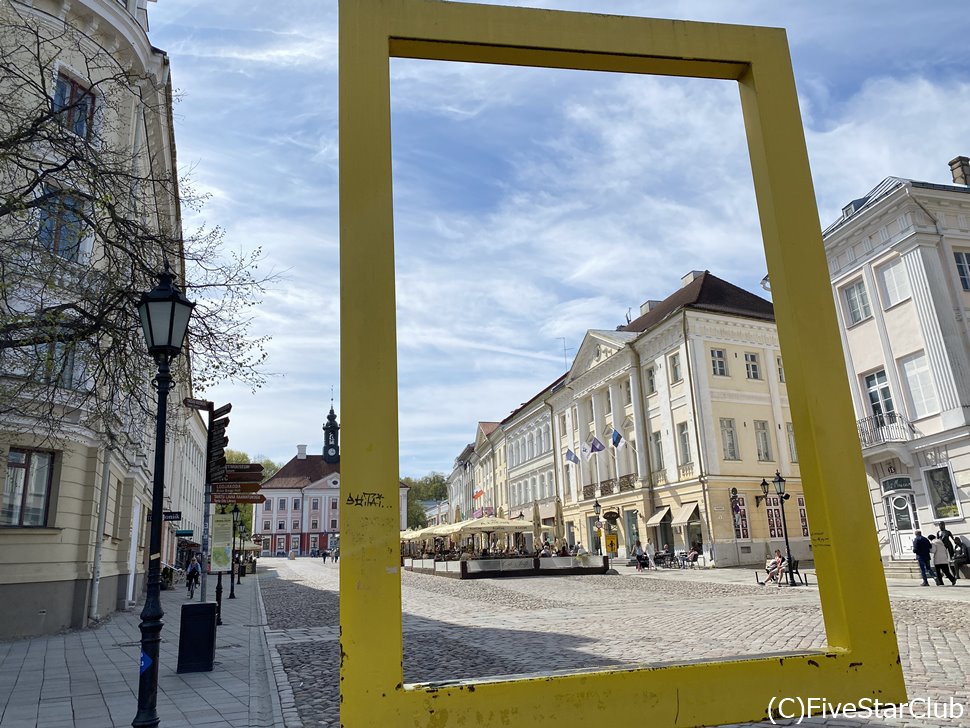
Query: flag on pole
[(618, 440), (584, 449), (571, 456), (596, 445)]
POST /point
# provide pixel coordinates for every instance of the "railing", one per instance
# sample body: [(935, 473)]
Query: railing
[(889, 427), (659, 477), (589, 492), (685, 471), (628, 483), (608, 486)]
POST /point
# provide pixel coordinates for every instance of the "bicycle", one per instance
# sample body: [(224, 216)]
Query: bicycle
[(193, 581)]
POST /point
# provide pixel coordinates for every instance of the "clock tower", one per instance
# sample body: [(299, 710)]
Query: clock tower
[(331, 445)]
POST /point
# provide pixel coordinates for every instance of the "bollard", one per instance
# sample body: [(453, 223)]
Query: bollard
[(219, 600)]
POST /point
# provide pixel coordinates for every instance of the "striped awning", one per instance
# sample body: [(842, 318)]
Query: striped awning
[(657, 517)]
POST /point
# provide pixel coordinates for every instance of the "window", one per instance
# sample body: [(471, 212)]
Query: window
[(296, 525), (803, 515), (280, 543), (26, 489), (741, 518), (880, 399), (762, 437), (333, 504), (268, 507), (314, 524), (893, 283), (683, 439), (61, 228), (296, 504), (781, 369), (941, 492), (56, 364), (281, 525), (963, 268), (651, 380), (656, 451), (752, 366), (675, 375), (74, 106), (773, 511), (315, 504), (609, 403), (790, 431), (627, 393), (333, 524), (562, 424), (729, 439), (314, 540), (921, 389), (266, 525), (856, 302), (719, 362)]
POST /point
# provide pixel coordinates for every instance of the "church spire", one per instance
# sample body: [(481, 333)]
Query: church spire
[(331, 442)]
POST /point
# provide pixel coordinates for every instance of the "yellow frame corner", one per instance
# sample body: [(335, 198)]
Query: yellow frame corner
[(861, 660)]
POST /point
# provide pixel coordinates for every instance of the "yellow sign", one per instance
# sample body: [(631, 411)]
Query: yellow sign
[(611, 543), (861, 660)]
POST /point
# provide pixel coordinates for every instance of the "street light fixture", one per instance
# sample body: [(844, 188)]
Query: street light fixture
[(232, 561), (597, 508), (764, 489), (782, 497), (164, 312)]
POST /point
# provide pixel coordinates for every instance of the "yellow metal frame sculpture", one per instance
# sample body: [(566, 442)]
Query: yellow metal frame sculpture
[(861, 659)]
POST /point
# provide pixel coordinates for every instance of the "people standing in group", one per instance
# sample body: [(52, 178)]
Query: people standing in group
[(638, 554), (922, 548), (940, 559)]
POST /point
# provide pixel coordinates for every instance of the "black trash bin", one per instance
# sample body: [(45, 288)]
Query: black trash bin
[(197, 637), (242, 569)]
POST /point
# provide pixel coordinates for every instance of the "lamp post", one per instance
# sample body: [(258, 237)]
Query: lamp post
[(782, 497), (597, 509), (164, 312), (232, 561)]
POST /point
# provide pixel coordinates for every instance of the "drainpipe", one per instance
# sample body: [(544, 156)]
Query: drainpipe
[(702, 476), (99, 534)]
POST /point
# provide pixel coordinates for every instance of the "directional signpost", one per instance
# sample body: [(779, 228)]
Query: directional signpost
[(225, 498)]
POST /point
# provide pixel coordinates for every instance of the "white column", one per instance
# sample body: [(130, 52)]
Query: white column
[(639, 425), (616, 406)]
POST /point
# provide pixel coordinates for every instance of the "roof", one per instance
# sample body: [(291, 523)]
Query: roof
[(707, 292), (300, 473), (884, 189), (488, 427), (541, 393)]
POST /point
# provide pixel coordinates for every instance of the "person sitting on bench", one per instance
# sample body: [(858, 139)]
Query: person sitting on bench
[(776, 568)]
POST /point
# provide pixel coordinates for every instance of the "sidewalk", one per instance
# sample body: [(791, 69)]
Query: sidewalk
[(898, 588), (89, 678)]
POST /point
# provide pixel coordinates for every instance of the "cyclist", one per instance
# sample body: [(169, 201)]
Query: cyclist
[(192, 574)]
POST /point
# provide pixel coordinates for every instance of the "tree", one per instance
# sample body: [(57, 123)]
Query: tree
[(432, 487), (269, 469), (90, 211)]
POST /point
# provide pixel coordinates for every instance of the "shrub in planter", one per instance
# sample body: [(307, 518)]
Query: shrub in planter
[(168, 575)]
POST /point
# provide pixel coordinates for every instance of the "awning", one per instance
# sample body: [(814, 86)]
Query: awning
[(684, 514), (657, 517)]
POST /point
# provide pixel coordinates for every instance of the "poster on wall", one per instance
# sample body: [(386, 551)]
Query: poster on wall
[(221, 542)]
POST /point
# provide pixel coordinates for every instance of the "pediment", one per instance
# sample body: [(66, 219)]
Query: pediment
[(597, 347), (327, 482)]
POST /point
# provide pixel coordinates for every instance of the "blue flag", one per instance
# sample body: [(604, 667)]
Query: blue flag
[(617, 438), (596, 446), (571, 456)]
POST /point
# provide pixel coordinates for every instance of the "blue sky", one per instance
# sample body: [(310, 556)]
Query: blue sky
[(530, 204)]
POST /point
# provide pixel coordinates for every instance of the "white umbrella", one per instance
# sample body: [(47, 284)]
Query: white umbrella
[(560, 529), (536, 523)]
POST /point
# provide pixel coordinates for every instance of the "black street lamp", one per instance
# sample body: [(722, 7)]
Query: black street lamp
[(597, 509), (232, 561), (782, 497), (164, 313)]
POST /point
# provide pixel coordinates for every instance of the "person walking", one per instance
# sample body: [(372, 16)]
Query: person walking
[(651, 552), (638, 554), (941, 561), (922, 549)]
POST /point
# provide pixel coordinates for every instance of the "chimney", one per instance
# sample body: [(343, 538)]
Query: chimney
[(690, 277), (301, 452), (649, 306), (960, 167)]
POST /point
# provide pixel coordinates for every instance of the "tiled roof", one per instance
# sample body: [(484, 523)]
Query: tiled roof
[(488, 427), (541, 393), (300, 473), (705, 293)]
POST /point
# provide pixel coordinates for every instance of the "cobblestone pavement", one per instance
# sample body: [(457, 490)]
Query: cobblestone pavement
[(472, 629)]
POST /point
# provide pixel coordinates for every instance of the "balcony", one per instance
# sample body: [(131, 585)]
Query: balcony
[(608, 486), (628, 483), (659, 477), (589, 492), (880, 429), (685, 471)]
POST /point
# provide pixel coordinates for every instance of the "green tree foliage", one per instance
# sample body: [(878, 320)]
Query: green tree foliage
[(269, 469), (432, 487)]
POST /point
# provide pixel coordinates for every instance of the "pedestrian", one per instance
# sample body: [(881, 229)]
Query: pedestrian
[(922, 549), (946, 537), (336, 554), (651, 552), (941, 561), (638, 554)]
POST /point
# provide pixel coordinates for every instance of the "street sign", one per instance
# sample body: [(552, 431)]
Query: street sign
[(237, 477), (184, 532), (235, 487), (167, 516), (199, 404), (224, 498), (222, 411), (245, 467)]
